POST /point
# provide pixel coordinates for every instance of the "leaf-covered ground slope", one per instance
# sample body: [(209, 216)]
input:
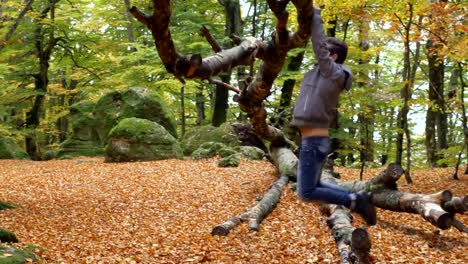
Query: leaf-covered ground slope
[(87, 211)]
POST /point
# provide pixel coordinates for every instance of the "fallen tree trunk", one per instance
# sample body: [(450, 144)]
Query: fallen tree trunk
[(282, 159), (353, 244), (255, 215)]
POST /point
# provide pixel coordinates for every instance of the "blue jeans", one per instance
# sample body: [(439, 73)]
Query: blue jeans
[(312, 156)]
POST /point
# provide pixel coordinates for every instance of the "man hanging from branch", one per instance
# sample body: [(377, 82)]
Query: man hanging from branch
[(314, 111)]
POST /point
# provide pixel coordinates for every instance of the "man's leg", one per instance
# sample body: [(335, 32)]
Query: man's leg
[(312, 156), (313, 153)]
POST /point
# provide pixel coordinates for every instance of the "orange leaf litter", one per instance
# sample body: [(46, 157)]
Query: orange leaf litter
[(87, 211)]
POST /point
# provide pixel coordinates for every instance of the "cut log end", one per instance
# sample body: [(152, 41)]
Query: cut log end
[(220, 231), (360, 239), (445, 221)]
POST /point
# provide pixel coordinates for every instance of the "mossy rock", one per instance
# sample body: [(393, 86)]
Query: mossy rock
[(7, 236), (84, 139), (196, 136), (11, 255), (136, 139), (226, 151), (72, 147), (250, 152), (83, 122), (5, 205), (10, 150), (230, 161), (135, 102), (207, 150)]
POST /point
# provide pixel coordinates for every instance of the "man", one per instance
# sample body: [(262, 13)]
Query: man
[(314, 111)]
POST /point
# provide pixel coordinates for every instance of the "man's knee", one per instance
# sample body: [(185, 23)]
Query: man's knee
[(305, 195)]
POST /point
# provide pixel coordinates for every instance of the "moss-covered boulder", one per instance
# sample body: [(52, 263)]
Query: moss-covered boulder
[(91, 122), (83, 122), (250, 152), (11, 255), (136, 139), (84, 139), (5, 205), (207, 150), (10, 150), (7, 237), (226, 151), (230, 161), (135, 102), (196, 136)]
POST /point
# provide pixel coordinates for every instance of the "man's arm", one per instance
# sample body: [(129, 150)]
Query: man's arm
[(326, 63)]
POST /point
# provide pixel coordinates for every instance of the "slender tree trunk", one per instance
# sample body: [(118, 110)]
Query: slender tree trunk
[(366, 118), (200, 105), (233, 27), (182, 110), (436, 127), (464, 124), (65, 101), (129, 17), (405, 93)]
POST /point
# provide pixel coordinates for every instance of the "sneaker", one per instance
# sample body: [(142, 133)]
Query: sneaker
[(365, 208)]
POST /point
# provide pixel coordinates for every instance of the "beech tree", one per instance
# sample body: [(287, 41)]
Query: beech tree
[(439, 209)]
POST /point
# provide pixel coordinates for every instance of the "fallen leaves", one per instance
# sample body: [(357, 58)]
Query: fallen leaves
[(87, 211)]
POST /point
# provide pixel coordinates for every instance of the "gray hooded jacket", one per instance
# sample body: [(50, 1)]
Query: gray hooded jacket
[(320, 89)]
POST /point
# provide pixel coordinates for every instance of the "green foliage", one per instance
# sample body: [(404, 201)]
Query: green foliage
[(11, 255), (5, 205)]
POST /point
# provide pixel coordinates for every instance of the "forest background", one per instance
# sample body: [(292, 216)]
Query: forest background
[(408, 58)]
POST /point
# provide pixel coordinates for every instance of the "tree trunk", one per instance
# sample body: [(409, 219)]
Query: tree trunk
[(233, 27), (182, 110), (128, 16), (405, 93), (464, 123), (221, 96), (200, 105), (436, 109), (255, 215), (366, 117)]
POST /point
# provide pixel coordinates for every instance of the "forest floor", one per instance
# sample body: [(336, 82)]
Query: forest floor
[(87, 211)]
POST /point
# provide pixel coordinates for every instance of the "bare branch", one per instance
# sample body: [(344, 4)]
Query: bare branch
[(214, 45), (226, 85)]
